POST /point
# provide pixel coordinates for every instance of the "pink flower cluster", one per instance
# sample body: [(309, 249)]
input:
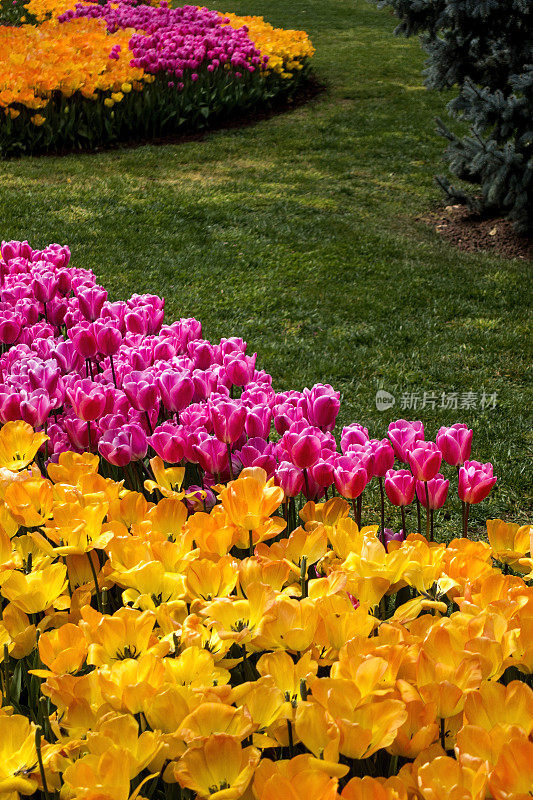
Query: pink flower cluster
[(177, 41), (112, 377)]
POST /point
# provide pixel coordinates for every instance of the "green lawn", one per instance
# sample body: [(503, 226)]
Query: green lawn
[(299, 234)]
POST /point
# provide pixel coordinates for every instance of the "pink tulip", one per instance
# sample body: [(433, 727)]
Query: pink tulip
[(9, 406), (11, 250), (84, 340), (45, 287), (35, 407), (284, 415), (437, 488), (400, 487), (10, 327), (167, 442), (290, 478), (91, 301), (141, 391), (350, 477), (455, 443), (228, 419), (322, 404), (120, 446), (475, 481), (424, 459), (177, 390), (353, 434), (258, 453), (108, 339), (390, 536), (383, 456), (306, 450), (322, 473), (88, 400), (258, 422), (403, 435), (240, 370), (212, 455)]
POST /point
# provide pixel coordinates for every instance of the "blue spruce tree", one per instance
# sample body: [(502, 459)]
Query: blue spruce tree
[(485, 48)]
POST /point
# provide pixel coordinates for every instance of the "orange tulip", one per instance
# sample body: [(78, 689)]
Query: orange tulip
[(512, 776), (368, 788), (445, 779), (301, 778)]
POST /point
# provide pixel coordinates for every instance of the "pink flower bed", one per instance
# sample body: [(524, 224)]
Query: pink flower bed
[(113, 377), (175, 40)]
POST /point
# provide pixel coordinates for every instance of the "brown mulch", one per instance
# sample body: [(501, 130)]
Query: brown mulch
[(472, 232)]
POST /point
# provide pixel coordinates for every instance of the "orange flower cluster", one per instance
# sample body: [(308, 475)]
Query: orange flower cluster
[(71, 57), (167, 649)]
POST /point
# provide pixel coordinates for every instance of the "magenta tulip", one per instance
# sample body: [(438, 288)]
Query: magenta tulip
[(475, 481), (403, 435), (383, 456), (88, 400), (455, 443), (400, 487), (437, 489), (350, 477), (424, 459), (91, 301), (228, 419), (290, 478), (322, 404), (167, 442), (353, 434)]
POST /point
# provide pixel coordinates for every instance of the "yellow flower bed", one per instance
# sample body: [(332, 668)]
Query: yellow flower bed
[(165, 648)]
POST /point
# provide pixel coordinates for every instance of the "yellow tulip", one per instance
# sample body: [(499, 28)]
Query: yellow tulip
[(219, 768), (18, 757), (30, 502), (36, 591), (19, 445), (301, 778)]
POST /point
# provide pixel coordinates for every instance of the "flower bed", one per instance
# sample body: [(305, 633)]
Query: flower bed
[(97, 74), (184, 612)]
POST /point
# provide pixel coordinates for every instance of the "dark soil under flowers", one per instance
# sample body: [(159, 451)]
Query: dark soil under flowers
[(470, 231)]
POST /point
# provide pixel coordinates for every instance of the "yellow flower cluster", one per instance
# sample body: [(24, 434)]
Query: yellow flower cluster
[(215, 652), (73, 56), (45, 9), (286, 49)]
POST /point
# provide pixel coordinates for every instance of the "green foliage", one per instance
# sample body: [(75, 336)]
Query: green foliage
[(78, 123), (12, 12), (485, 47)]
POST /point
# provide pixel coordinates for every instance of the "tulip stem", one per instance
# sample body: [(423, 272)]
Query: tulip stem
[(428, 513), (466, 509), (251, 543), (291, 741), (357, 511), (303, 576), (96, 586), (306, 481), (442, 734), (113, 372), (7, 678), (230, 465), (431, 536), (402, 508), (38, 732), (418, 515), (89, 434), (149, 423), (382, 495)]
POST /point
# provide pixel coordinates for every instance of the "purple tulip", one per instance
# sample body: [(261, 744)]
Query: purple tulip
[(119, 446)]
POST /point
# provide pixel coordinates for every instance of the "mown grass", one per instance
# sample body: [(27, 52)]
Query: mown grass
[(299, 234)]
